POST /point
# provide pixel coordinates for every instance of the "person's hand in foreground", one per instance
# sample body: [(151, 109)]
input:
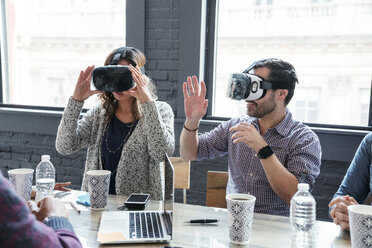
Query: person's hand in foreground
[(339, 213), (47, 207), (57, 186)]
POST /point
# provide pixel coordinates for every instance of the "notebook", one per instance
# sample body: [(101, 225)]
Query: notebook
[(119, 227)]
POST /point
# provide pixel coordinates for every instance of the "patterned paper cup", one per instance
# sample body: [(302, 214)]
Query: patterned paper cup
[(240, 215), (98, 186), (22, 181), (360, 220)]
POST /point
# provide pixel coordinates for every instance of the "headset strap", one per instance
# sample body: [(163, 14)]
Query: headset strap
[(277, 85), (116, 58)]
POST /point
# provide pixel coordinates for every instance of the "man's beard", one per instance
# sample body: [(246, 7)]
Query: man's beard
[(263, 108)]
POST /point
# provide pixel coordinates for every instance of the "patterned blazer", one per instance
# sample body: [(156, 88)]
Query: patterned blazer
[(140, 168)]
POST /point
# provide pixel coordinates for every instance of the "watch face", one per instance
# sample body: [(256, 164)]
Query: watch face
[(265, 152)]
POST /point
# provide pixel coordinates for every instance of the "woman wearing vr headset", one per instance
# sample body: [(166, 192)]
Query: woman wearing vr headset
[(128, 133)]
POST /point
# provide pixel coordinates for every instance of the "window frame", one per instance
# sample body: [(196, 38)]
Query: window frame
[(210, 61)]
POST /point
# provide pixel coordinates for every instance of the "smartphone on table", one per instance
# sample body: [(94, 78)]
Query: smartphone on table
[(137, 201)]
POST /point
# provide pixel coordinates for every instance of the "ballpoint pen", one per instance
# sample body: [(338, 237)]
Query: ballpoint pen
[(202, 221), (61, 194), (75, 208)]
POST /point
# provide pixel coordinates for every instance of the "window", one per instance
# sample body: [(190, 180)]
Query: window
[(328, 42), (364, 104), (45, 44), (307, 104)]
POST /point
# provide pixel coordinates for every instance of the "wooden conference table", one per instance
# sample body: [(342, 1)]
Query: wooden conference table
[(267, 230)]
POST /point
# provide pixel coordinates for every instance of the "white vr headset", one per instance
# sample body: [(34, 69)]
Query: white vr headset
[(250, 87)]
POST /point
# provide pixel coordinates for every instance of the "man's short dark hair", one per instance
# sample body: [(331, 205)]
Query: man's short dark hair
[(280, 71)]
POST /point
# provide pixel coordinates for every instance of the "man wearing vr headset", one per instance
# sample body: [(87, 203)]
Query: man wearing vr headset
[(268, 151)]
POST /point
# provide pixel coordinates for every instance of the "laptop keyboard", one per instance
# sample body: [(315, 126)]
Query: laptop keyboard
[(145, 225)]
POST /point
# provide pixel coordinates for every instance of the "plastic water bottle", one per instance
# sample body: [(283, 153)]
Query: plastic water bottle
[(45, 178), (303, 209)]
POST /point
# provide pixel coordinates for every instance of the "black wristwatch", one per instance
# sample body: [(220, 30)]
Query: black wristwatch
[(265, 152)]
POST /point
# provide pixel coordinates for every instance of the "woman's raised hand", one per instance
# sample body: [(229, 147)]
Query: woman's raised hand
[(82, 89), (141, 92), (194, 99)]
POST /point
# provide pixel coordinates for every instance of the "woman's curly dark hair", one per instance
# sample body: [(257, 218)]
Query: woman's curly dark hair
[(136, 58)]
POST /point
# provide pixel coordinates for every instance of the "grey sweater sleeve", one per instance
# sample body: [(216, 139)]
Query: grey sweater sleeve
[(73, 134), (159, 129)]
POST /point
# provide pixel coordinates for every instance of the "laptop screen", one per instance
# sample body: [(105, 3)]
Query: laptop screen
[(168, 184), (168, 191)]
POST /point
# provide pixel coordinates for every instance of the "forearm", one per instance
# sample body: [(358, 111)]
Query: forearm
[(67, 137), (189, 141), (283, 182)]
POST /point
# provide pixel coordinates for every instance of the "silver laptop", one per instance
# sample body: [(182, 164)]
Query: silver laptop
[(118, 227)]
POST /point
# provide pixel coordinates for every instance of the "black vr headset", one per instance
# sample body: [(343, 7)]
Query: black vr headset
[(250, 87), (113, 77)]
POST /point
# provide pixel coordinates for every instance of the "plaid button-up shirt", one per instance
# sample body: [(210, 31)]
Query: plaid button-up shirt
[(295, 145)]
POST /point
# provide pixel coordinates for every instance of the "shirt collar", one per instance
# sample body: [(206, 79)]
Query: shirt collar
[(283, 128)]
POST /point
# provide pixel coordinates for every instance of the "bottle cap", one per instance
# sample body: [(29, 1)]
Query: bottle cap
[(45, 157), (303, 186)]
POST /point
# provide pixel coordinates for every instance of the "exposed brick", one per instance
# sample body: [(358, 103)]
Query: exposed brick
[(151, 65), (173, 55), (152, 24), (20, 157), (172, 102), (173, 76), (35, 158), (74, 162), (60, 170), (162, 84), (5, 148), (164, 44), (75, 171), (156, 34), (176, 44), (168, 64), (158, 13), (162, 3), (173, 24), (159, 75), (152, 44), (29, 165), (174, 34), (5, 155), (9, 164), (176, 6), (158, 54)]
